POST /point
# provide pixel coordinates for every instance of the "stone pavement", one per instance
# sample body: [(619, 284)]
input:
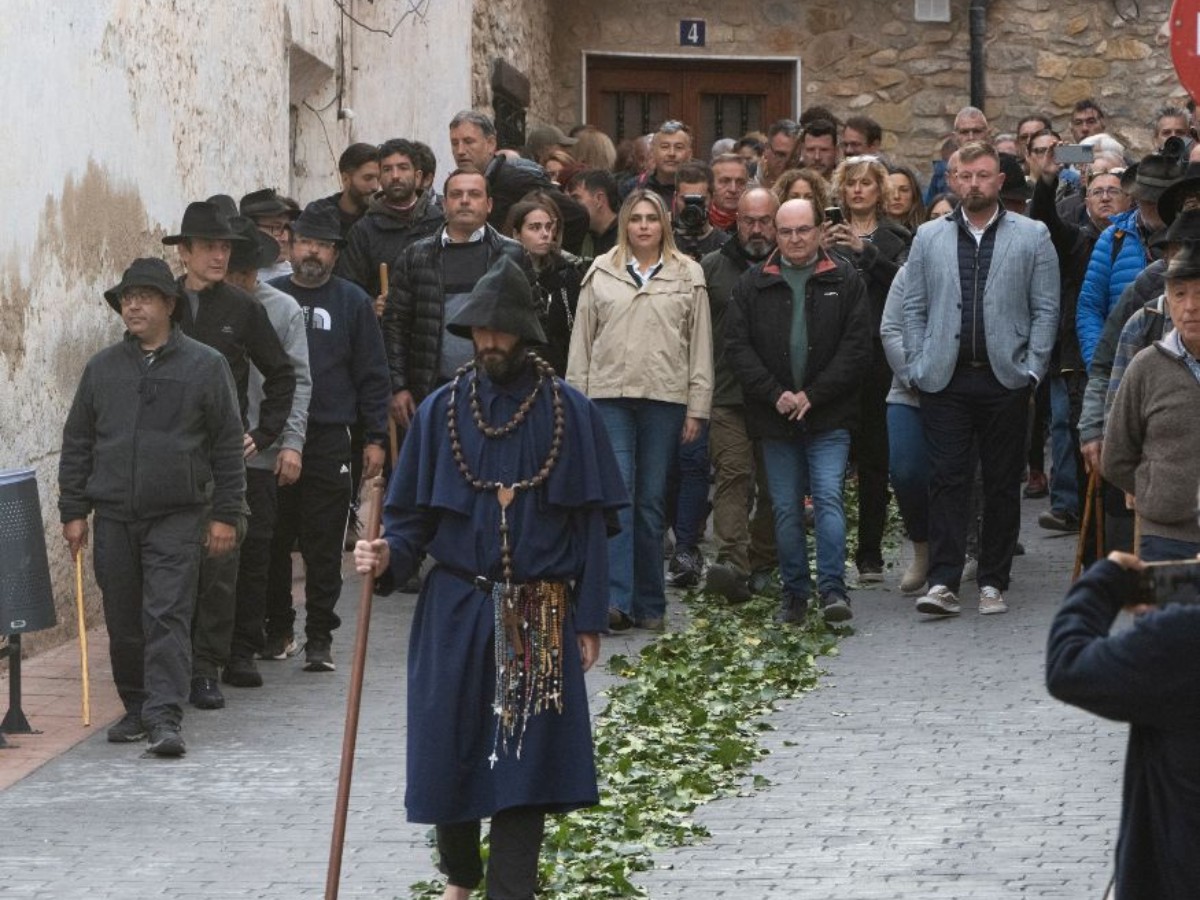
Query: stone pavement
[(931, 763)]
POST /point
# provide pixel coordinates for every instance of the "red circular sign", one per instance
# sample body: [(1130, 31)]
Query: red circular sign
[(1185, 43)]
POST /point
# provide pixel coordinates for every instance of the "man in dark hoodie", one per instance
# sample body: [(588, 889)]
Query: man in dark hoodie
[(742, 547), (400, 215)]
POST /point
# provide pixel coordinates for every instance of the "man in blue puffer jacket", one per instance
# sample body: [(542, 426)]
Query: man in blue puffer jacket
[(1123, 250)]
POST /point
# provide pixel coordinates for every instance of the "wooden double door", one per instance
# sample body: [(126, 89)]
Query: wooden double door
[(632, 96)]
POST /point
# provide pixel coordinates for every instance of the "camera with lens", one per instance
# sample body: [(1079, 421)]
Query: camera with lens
[(692, 218), (1178, 147)]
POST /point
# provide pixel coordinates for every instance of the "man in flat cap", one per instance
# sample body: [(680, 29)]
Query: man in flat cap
[(349, 383), (153, 447), (507, 479), (228, 319)]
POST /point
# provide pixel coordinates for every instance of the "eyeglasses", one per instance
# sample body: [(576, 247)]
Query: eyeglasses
[(786, 234), (1040, 151), (752, 221), (1105, 192), (673, 126)]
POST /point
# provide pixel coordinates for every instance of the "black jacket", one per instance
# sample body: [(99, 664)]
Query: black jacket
[(346, 221), (412, 318), (381, 236), (877, 265), (758, 345), (511, 179), (142, 441), (1149, 676), (557, 293), (232, 321), (722, 269)]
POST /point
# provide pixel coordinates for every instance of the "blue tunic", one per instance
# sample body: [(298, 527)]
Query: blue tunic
[(558, 533)]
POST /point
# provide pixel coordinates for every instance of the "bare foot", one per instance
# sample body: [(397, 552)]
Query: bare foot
[(454, 892)]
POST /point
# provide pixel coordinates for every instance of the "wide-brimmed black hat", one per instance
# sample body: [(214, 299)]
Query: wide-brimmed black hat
[(266, 202), (1155, 173), (146, 272), (1015, 186), (1171, 201), (1185, 229), (319, 223), (202, 219), (502, 300), (1185, 263), (258, 251), (226, 204)]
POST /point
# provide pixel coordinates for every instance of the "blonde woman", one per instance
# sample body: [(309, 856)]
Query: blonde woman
[(641, 348)]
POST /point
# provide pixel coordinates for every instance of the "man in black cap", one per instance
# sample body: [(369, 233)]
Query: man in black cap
[(507, 480), (273, 214), (228, 319), (349, 382), (278, 464), (153, 446)]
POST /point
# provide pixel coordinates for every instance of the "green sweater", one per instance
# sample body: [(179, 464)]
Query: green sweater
[(797, 279)]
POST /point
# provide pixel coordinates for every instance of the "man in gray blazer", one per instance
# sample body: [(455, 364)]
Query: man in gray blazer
[(980, 317)]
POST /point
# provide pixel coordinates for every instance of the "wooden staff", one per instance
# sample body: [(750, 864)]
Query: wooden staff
[(354, 700), (83, 647), (1081, 544), (393, 438)]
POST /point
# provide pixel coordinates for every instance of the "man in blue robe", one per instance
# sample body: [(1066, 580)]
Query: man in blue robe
[(508, 481)]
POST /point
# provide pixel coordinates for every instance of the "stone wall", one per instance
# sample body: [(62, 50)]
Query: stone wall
[(871, 57), (519, 32)]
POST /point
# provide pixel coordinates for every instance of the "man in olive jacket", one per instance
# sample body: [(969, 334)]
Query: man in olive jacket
[(799, 340)]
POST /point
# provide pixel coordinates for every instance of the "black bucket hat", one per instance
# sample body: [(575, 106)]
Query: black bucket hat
[(319, 224), (501, 301), (151, 273), (1155, 173), (266, 202), (202, 219), (1171, 201), (1185, 263), (258, 251), (1185, 229)]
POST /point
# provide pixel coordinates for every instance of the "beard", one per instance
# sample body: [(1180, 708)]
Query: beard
[(502, 366), (312, 271), (758, 248), (977, 201)]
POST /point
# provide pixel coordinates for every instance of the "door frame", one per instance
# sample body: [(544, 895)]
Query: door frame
[(691, 58)]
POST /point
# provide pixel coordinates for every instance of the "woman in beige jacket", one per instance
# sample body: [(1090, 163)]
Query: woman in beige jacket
[(641, 349)]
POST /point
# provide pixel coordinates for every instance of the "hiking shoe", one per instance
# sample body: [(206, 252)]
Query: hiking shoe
[(686, 566), (991, 601), (762, 581), (940, 601), (206, 694), (1037, 486), (165, 740), (129, 730), (1053, 520), (792, 610), (318, 656), (242, 672), (618, 621), (726, 582), (279, 646), (835, 607), (870, 572)]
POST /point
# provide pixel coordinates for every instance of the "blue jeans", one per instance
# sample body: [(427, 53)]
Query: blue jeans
[(690, 484), (1064, 477), (812, 464), (645, 438), (908, 455)]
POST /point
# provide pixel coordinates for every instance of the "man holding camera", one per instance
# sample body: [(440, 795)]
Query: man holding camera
[(1149, 676), (694, 234)]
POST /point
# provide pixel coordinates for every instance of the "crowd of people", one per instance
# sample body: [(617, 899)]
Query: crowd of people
[(722, 335)]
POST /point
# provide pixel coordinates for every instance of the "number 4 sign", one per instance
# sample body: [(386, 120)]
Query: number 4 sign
[(691, 32)]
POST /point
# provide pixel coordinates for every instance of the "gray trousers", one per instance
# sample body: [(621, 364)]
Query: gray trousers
[(148, 571), (216, 609)]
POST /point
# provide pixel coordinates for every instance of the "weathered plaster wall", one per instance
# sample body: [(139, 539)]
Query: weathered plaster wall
[(521, 32), (121, 111), (871, 57)]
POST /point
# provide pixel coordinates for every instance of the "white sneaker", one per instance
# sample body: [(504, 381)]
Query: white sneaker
[(991, 601), (940, 601)]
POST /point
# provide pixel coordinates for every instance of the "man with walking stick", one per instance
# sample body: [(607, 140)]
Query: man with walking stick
[(508, 481), (153, 447)]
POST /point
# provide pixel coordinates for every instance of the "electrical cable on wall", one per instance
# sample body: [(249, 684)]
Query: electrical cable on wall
[(416, 9)]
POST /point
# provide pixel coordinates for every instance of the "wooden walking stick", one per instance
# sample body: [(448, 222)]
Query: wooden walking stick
[(83, 647), (1081, 544), (393, 438), (354, 700)]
